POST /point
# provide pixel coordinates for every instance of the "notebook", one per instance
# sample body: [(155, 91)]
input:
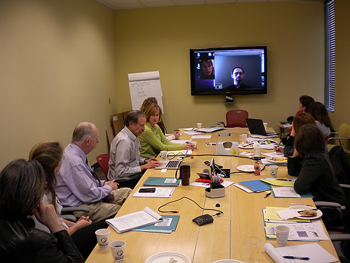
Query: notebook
[(256, 126), (210, 129), (169, 164)]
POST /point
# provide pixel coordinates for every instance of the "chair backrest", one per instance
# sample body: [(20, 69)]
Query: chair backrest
[(340, 164), (344, 132), (102, 160), (236, 118), (110, 136)]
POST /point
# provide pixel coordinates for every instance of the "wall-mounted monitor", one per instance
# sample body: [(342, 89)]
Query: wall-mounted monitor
[(228, 71)]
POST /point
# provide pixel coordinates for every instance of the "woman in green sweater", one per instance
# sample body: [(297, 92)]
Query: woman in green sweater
[(152, 140)]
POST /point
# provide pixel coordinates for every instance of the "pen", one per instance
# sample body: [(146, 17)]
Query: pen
[(292, 257), (267, 195), (282, 179), (279, 144)]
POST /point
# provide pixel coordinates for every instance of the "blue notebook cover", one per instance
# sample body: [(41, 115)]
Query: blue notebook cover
[(256, 185), (161, 181), (167, 226)]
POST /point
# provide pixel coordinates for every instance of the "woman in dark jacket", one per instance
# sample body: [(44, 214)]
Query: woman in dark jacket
[(21, 190), (316, 174)]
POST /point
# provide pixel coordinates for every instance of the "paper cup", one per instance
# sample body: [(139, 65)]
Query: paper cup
[(265, 126), (102, 236), (199, 125), (243, 138), (282, 233), (163, 155), (273, 170), (118, 250)]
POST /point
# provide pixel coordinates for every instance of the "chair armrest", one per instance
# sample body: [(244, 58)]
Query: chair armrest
[(221, 122), (71, 209), (328, 204), (69, 218), (347, 186), (339, 237)]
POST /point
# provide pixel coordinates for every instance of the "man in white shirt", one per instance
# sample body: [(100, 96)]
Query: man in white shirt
[(125, 164)]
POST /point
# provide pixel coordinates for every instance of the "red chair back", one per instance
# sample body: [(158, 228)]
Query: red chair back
[(102, 160), (236, 118)]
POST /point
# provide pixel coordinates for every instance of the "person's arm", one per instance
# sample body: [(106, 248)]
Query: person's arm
[(309, 173), (81, 223), (124, 149), (83, 185), (161, 144), (60, 249)]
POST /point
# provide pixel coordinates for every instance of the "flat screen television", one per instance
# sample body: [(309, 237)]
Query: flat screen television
[(228, 71)]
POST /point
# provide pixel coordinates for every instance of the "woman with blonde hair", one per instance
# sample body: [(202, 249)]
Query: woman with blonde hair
[(152, 140)]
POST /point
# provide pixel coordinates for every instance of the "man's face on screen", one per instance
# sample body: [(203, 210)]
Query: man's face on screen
[(237, 76)]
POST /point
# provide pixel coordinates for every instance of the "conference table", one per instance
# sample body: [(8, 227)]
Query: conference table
[(223, 239)]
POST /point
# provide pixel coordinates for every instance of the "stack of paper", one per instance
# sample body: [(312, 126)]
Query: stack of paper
[(313, 251), (161, 181), (128, 222)]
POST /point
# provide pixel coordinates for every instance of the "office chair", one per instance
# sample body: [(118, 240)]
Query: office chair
[(342, 137), (67, 212), (102, 160), (235, 118)]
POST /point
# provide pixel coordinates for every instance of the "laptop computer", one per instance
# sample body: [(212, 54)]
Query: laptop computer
[(169, 164), (210, 129), (256, 126)]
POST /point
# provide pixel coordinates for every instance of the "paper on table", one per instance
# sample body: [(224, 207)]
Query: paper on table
[(206, 185), (273, 154), (314, 251), (299, 231), (180, 141), (192, 132), (285, 192), (127, 222), (278, 182), (160, 192), (288, 213), (270, 215), (201, 137)]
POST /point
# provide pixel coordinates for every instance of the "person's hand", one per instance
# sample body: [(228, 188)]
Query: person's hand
[(151, 159), (189, 146), (150, 164), (83, 222), (46, 214), (278, 149), (177, 135), (112, 184)]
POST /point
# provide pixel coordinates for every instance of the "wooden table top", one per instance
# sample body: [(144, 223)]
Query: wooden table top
[(225, 238)]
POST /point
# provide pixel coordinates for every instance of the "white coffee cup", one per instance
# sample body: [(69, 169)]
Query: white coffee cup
[(282, 233), (199, 125), (118, 250), (163, 154), (102, 236), (273, 170), (194, 144)]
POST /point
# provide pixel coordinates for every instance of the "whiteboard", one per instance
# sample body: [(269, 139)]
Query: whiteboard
[(143, 85)]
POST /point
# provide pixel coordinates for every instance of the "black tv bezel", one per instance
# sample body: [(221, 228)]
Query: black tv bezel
[(195, 92)]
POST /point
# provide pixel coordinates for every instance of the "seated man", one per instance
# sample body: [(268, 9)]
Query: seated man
[(77, 184), (125, 164)]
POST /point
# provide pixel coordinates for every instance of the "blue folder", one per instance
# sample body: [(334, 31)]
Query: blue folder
[(256, 185)]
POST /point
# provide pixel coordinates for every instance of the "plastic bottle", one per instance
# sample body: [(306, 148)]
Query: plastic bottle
[(257, 168)]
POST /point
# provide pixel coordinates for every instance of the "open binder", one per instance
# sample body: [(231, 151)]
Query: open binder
[(134, 220)]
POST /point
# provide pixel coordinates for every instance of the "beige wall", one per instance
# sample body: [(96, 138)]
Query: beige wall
[(56, 69), (61, 61), (160, 39), (342, 85)]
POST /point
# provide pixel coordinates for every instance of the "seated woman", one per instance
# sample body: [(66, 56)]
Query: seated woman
[(152, 140), (299, 120), (22, 186), (145, 104), (316, 174), (49, 155), (323, 122)]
